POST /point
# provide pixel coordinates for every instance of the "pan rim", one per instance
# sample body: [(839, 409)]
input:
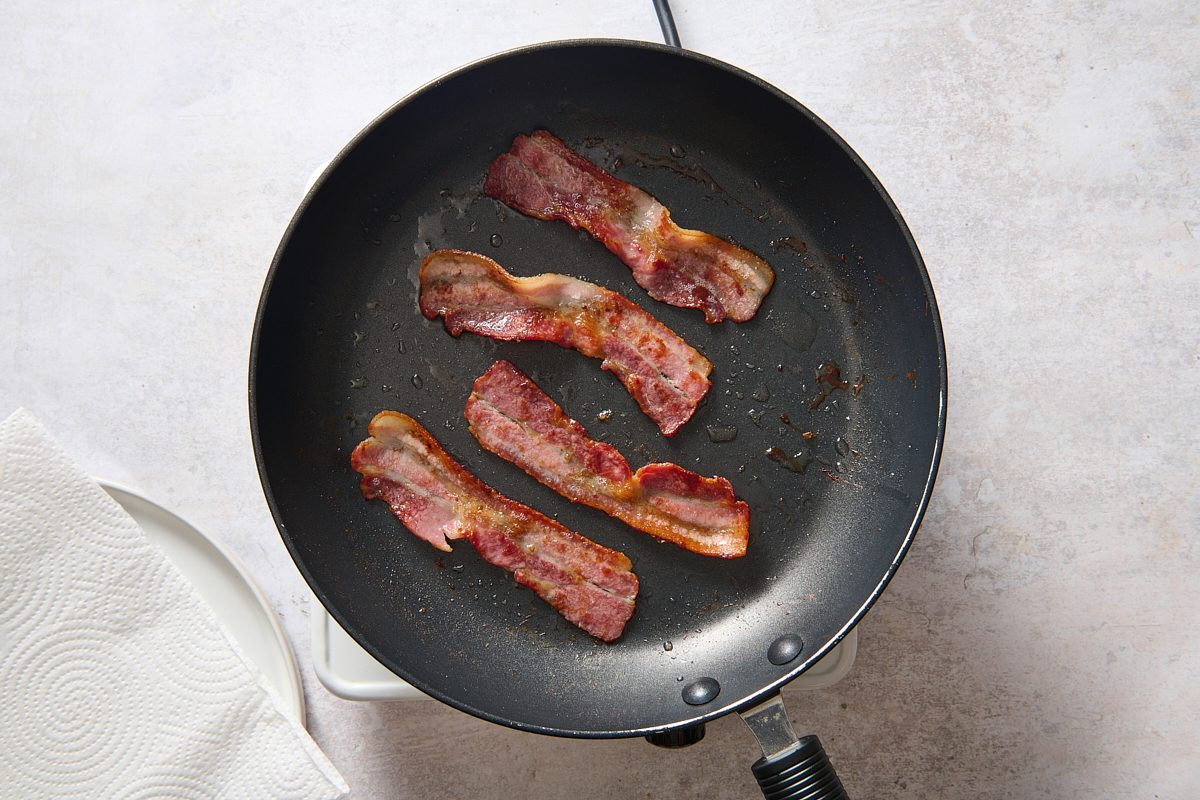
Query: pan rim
[(934, 320)]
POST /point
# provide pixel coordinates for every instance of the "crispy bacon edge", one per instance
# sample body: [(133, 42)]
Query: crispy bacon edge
[(666, 376), (543, 178), (512, 417), (401, 463)]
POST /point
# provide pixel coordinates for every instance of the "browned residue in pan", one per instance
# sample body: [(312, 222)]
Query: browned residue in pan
[(792, 243), (807, 435), (829, 378)]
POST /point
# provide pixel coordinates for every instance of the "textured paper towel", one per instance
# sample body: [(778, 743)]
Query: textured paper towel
[(116, 680)]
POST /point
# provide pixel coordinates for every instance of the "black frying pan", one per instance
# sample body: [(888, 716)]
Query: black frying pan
[(339, 337)]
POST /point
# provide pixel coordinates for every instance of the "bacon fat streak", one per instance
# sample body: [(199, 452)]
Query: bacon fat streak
[(471, 292), (542, 177), (512, 417), (437, 499)]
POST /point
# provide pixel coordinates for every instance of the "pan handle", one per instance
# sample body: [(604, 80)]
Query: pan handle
[(791, 768)]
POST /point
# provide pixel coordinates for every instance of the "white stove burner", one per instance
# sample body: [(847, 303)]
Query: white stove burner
[(352, 673)]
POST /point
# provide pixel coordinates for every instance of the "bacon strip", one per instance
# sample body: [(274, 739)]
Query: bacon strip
[(542, 177), (473, 293), (431, 493), (517, 421)]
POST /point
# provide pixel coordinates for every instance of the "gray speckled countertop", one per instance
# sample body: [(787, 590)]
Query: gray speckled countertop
[(1041, 640)]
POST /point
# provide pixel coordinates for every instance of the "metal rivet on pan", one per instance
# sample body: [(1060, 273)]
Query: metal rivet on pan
[(785, 649), (701, 691)]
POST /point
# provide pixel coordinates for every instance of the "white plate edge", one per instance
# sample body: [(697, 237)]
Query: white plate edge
[(292, 667)]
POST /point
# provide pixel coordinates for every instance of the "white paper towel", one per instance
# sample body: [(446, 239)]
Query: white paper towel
[(116, 680)]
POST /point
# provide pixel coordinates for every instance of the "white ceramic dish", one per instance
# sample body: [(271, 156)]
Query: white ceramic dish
[(223, 582)]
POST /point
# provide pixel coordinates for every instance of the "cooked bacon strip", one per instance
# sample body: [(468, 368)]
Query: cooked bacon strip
[(431, 493), (542, 177), (516, 420), (474, 293)]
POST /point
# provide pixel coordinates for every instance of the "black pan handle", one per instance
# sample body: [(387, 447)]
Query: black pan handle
[(802, 772), (666, 21), (791, 768)]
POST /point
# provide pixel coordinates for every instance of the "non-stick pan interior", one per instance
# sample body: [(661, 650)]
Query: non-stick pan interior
[(340, 337)]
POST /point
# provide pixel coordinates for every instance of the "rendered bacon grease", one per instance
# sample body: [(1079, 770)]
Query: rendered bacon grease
[(542, 177), (471, 292), (512, 417), (437, 499)]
